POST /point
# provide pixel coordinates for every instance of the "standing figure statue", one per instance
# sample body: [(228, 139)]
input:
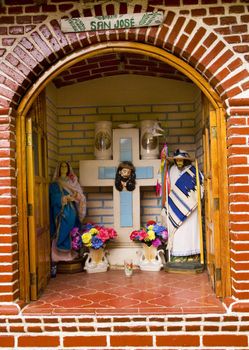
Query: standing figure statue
[(67, 210), (180, 211), (125, 177)]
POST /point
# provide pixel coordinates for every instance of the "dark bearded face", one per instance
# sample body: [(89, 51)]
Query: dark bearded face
[(180, 163), (125, 173)]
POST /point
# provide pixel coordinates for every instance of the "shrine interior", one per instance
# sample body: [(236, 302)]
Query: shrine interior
[(122, 89)]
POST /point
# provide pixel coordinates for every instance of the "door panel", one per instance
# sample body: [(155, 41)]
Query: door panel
[(39, 236), (208, 209), (211, 182), (31, 214)]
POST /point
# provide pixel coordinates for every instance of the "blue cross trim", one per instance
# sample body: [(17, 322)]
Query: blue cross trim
[(126, 198), (107, 172), (126, 208)]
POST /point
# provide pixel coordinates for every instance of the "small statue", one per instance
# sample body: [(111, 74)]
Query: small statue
[(125, 177), (67, 210), (181, 206)]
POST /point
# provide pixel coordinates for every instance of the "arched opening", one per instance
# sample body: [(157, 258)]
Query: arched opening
[(211, 126)]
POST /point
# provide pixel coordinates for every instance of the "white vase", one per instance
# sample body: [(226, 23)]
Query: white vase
[(96, 261), (149, 144), (103, 140), (150, 259)]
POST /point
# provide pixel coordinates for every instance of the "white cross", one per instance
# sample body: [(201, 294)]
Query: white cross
[(126, 204)]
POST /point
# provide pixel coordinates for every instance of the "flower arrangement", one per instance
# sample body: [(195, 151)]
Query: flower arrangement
[(96, 237), (152, 234)]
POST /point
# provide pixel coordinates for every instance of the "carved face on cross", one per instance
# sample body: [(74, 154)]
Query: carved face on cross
[(125, 176), (125, 173)]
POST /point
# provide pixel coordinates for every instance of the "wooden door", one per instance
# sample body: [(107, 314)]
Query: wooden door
[(38, 202), (211, 182)]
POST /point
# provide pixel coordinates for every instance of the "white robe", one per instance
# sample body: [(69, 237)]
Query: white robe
[(186, 240)]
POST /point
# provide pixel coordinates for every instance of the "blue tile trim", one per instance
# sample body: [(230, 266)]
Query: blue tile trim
[(144, 172), (126, 219), (107, 173), (125, 149)]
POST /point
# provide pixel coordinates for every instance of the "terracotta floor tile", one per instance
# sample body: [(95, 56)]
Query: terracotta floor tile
[(120, 303), (148, 293), (170, 302), (72, 302), (143, 295), (123, 290)]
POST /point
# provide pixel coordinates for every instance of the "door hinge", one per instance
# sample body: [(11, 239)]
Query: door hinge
[(33, 278), (30, 209), (218, 274), (216, 203), (214, 132)]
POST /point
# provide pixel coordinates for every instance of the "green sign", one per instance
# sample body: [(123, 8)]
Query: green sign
[(134, 20)]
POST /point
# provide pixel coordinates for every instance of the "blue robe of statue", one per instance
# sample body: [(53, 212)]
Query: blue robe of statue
[(62, 219)]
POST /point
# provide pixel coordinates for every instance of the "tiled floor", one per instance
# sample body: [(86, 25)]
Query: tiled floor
[(113, 293)]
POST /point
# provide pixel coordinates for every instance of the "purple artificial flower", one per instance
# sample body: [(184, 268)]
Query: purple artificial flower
[(74, 232), (156, 243), (164, 235), (76, 239)]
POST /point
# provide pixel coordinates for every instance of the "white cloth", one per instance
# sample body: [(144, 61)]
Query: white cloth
[(186, 240)]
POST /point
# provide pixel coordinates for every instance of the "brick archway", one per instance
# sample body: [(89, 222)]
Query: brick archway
[(45, 47), (100, 49), (116, 46)]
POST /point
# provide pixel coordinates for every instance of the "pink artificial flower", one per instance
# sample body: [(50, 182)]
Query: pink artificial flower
[(133, 235), (143, 234), (156, 242), (103, 235), (158, 189), (138, 235), (112, 233)]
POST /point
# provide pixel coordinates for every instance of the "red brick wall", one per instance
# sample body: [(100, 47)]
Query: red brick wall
[(119, 332), (8, 216), (238, 171), (211, 36)]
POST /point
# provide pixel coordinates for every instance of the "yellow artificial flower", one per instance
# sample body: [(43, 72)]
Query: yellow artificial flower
[(86, 239), (93, 231), (150, 227), (151, 235)]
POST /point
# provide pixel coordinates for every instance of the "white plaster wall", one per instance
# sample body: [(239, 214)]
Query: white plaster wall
[(127, 89)]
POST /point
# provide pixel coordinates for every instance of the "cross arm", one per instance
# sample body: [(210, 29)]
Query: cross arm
[(93, 173)]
